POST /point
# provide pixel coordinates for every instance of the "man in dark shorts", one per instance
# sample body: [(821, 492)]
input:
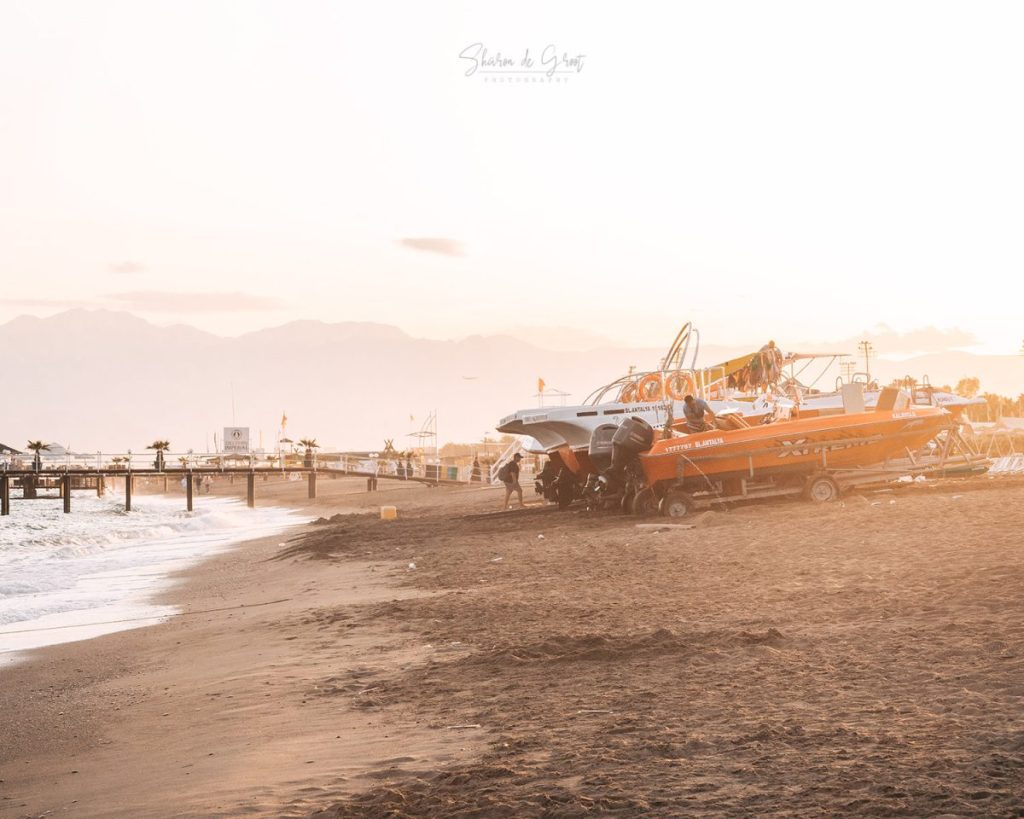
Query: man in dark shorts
[(695, 410), (509, 475)]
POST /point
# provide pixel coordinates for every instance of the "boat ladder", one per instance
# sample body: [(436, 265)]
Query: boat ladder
[(504, 458)]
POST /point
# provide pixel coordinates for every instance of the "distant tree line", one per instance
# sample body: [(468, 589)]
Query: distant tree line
[(995, 406)]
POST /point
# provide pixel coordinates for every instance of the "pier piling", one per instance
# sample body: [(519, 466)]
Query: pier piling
[(100, 486), (312, 485), (128, 492), (250, 490), (65, 484), (189, 489), (5, 495)]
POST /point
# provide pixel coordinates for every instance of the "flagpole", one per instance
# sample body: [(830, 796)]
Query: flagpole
[(280, 438)]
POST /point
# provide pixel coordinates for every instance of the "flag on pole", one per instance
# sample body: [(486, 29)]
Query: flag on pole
[(284, 420), (540, 385)]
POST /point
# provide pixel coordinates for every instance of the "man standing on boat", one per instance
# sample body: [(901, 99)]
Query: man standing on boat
[(695, 410)]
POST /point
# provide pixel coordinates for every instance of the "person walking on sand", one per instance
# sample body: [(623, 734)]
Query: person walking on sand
[(509, 475)]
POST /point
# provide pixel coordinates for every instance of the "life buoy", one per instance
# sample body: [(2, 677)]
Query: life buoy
[(679, 385), (628, 394), (650, 388)]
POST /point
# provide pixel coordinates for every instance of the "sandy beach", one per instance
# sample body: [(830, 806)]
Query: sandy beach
[(857, 658), (744, 271)]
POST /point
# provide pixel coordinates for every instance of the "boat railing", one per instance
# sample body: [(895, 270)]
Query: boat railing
[(703, 380)]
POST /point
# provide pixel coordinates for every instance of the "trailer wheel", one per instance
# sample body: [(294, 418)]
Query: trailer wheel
[(676, 504), (821, 489), (645, 503)]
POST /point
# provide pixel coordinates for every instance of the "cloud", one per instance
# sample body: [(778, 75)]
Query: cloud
[(887, 341), (434, 244), (127, 268), (158, 301), (56, 303), (560, 338), (923, 340)]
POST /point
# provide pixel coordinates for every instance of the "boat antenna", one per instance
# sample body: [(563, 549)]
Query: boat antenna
[(682, 341), (696, 348)]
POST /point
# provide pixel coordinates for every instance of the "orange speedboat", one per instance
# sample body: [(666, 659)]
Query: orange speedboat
[(806, 451)]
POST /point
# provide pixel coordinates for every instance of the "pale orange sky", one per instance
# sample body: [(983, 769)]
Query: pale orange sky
[(751, 166)]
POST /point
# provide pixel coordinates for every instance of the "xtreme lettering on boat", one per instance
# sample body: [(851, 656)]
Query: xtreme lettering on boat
[(810, 447)]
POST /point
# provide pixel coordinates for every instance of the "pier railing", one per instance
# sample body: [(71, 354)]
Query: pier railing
[(113, 463), (101, 471)]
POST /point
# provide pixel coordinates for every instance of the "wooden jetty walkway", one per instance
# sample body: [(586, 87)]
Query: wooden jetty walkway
[(65, 480)]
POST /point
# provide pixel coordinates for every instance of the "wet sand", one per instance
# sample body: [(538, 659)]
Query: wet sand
[(862, 658), (213, 713)]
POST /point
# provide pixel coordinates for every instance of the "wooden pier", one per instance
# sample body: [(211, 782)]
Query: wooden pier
[(30, 481)]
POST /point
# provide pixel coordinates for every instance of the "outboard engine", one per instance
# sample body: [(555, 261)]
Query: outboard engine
[(631, 438), (600, 451), (544, 482), (556, 483)]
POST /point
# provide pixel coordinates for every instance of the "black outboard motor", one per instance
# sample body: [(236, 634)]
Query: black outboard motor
[(544, 483), (634, 436), (556, 483), (600, 451), (631, 438)]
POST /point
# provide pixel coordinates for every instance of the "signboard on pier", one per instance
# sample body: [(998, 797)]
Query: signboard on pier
[(236, 440)]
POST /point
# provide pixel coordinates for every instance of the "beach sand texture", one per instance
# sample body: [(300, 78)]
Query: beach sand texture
[(863, 658)]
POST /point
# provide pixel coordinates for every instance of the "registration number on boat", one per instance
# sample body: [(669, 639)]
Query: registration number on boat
[(695, 444)]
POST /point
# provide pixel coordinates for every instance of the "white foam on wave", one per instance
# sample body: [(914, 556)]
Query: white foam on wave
[(95, 571)]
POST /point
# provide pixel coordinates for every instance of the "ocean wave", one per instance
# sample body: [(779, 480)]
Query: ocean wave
[(54, 565)]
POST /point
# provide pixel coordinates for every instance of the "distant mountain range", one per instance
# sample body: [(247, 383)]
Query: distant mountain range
[(103, 380)]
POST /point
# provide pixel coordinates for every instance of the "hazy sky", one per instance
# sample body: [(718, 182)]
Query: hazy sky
[(765, 169)]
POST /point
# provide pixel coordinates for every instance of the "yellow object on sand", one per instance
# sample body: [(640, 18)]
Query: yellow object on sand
[(388, 512)]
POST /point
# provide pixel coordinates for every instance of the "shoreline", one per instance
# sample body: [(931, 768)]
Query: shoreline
[(188, 705), (144, 606), (123, 568)]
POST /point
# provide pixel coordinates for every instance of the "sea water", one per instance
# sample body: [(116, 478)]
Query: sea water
[(66, 577)]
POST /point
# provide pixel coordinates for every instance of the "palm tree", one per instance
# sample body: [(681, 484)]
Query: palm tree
[(310, 444), (968, 387), (37, 447), (161, 447)]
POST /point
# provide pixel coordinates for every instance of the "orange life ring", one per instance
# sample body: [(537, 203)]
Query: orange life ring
[(679, 385), (628, 394), (650, 388)]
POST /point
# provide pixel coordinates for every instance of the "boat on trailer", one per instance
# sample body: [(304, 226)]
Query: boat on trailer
[(815, 457), (748, 390), (742, 386)]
